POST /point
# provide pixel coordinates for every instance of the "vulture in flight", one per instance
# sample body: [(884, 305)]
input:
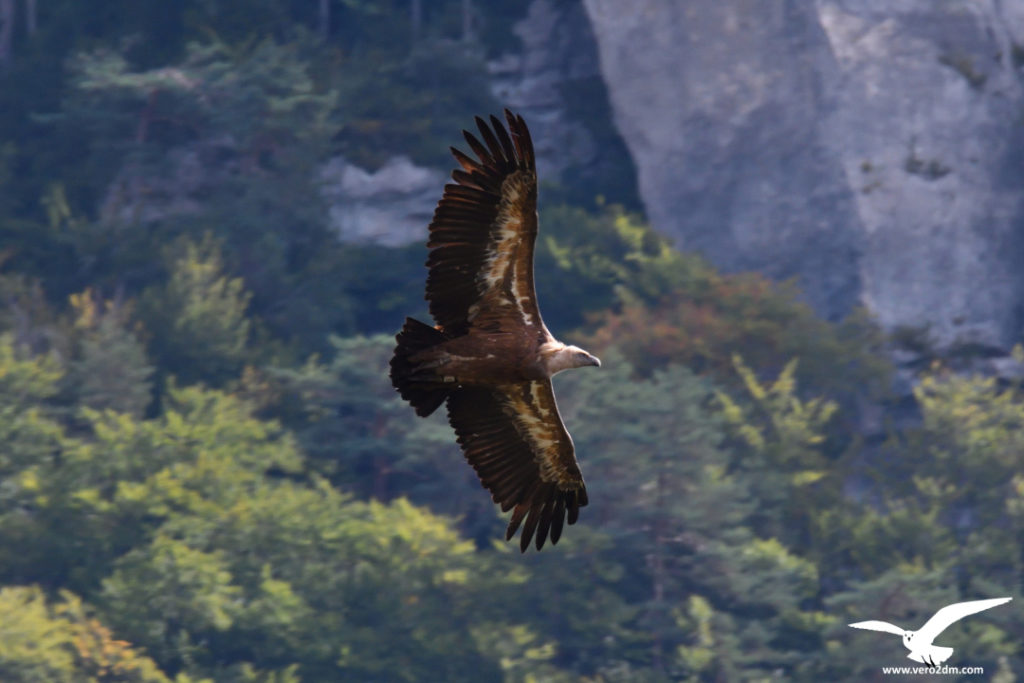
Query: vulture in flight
[(489, 356)]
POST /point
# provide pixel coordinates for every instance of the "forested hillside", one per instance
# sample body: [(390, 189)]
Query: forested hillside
[(205, 474)]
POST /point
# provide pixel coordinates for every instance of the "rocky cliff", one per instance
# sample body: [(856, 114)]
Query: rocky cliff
[(555, 81), (872, 149)]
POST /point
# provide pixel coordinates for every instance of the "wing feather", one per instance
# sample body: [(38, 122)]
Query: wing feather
[(951, 614), (514, 438), (483, 234), (529, 526), (490, 140), (521, 138), (478, 149), (506, 142), (515, 520), (545, 521), (557, 520), (883, 626), (467, 163)]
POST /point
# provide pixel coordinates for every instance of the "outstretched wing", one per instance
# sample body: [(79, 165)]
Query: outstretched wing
[(514, 438), (883, 626), (950, 614), (483, 233)]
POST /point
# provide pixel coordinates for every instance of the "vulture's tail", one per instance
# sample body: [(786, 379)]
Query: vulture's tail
[(419, 389)]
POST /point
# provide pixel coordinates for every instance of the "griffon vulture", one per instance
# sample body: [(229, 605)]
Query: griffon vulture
[(490, 355)]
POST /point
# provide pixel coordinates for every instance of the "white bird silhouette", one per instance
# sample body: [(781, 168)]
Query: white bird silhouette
[(920, 642)]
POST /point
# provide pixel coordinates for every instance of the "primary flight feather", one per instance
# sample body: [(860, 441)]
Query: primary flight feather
[(490, 357)]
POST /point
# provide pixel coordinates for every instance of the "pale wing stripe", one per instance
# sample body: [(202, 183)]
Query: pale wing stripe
[(504, 255), (544, 430)]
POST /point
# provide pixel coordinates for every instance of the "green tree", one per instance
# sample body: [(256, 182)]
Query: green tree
[(31, 442), (228, 142), (710, 597), (622, 285), (172, 527), (33, 648), (360, 434), (779, 439), (109, 369), (199, 323), (58, 641)]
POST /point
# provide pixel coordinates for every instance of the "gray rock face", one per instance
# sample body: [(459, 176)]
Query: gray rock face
[(391, 206), (558, 48), (555, 82), (868, 148), (927, 103)]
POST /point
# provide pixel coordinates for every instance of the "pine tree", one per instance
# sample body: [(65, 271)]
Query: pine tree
[(198, 322), (109, 370)]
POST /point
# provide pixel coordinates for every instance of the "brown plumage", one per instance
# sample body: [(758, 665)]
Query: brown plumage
[(490, 355)]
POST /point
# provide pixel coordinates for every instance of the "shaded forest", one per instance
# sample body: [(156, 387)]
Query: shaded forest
[(205, 474)]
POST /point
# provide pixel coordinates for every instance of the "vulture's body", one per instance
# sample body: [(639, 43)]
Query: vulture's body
[(490, 356)]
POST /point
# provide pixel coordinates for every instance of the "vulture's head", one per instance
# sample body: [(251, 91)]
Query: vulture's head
[(563, 357)]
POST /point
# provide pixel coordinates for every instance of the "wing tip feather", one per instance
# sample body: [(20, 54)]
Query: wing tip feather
[(543, 517)]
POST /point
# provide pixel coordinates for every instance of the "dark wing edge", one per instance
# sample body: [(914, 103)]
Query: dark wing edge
[(514, 438), (484, 228)]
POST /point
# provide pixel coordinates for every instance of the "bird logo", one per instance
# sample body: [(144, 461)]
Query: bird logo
[(920, 642)]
